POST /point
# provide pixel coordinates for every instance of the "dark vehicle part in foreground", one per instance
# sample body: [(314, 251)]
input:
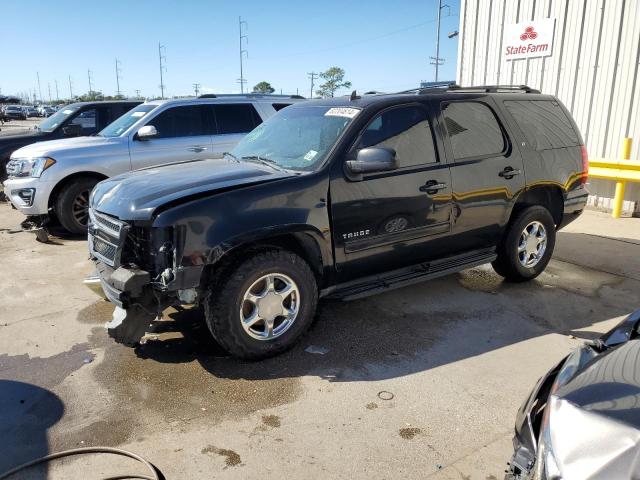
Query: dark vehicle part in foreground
[(582, 419), (344, 198)]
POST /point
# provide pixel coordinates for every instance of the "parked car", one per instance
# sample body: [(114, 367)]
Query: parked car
[(582, 419), (66, 123), (47, 111), (32, 112), (342, 197), (56, 177), (14, 112)]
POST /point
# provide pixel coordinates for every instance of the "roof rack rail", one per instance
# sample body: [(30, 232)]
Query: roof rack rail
[(430, 88), (254, 95), (495, 88)]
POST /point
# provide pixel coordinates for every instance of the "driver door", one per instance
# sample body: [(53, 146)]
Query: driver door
[(392, 219)]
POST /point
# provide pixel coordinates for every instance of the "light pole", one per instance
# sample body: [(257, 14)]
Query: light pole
[(243, 52), (437, 61), (162, 58), (118, 71)]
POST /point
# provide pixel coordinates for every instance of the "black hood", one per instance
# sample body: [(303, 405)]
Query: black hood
[(136, 195), (24, 136)]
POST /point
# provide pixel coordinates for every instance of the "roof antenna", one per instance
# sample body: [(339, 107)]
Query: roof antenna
[(354, 96)]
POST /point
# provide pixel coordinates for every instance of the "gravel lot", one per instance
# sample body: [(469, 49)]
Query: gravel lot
[(18, 126), (422, 382)]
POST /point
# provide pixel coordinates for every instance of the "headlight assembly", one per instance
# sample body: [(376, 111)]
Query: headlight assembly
[(29, 167)]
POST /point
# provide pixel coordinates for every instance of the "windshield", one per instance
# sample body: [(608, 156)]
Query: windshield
[(297, 137), (54, 121), (122, 124)]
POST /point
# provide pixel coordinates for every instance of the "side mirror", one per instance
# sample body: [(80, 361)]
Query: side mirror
[(373, 159), (72, 130), (147, 132)]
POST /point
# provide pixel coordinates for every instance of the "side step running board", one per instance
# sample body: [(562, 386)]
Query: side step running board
[(372, 285)]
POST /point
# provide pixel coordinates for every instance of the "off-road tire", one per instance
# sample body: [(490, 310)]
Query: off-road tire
[(64, 204), (225, 296), (507, 263)]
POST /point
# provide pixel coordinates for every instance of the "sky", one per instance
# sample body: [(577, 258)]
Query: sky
[(381, 45)]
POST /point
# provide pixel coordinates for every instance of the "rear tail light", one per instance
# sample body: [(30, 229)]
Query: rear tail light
[(585, 165)]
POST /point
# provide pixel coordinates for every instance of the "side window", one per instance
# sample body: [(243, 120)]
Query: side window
[(88, 121), (407, 131), (236, 118), (473, 129), (279, 106), (105, 116), (544, 123), (188, 121)]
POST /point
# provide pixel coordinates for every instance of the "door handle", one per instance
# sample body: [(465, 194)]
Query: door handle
[(432, 187), (509, 172), (197, 149)]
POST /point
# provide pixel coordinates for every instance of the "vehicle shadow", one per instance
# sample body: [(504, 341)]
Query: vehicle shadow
[(26, 413), (407, 331)]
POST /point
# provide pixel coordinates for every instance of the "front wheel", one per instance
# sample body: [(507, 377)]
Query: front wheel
[(263, 305), (72, 205), (527, 245)]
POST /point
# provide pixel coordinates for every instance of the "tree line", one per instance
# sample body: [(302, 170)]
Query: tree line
[(333, 81)]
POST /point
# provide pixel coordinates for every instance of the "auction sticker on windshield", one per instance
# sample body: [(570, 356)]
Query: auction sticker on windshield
[(311, 154), (346, 112)]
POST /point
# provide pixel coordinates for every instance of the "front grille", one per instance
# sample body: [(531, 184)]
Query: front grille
[(111, 225), (106, 238), (105, 249)]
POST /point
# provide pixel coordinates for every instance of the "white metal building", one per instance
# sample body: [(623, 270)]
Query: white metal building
[(591, 63)]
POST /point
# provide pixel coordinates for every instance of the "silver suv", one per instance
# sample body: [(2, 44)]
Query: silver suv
[(56, 177)]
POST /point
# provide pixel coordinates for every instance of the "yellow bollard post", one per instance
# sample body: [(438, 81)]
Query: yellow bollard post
[(620, 186)]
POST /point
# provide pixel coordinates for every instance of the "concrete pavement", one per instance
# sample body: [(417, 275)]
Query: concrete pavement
[(422, 382)]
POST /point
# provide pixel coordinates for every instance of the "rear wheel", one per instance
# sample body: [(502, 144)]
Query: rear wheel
[(72, 205), (263, 305), (527, 245)]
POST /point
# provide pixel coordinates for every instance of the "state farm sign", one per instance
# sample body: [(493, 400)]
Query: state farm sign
[(529, 39)]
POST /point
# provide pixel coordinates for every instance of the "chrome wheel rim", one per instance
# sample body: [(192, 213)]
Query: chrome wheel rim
[(80, 208), (270, 306), (532, 244)]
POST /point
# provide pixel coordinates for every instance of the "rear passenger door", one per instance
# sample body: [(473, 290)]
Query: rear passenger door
[(487, 171), (233, 121), (184, 133)]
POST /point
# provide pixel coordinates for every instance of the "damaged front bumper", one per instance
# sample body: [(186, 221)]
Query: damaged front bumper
[(94, 283), (121, 286), (118, 249), (136, 305)]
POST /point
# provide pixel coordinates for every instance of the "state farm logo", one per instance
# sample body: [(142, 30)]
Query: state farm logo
[(529, 39), (533, 48), (529, 34)]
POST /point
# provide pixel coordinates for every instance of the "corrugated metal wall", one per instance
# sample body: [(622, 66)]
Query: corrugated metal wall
[(593, 68)]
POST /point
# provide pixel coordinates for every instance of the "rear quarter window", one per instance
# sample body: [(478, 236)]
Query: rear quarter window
[(236, 118), (473, 130), (544, 123)]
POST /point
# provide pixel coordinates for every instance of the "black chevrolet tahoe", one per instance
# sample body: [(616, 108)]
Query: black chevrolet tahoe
[(343, 198), (66, 122)]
